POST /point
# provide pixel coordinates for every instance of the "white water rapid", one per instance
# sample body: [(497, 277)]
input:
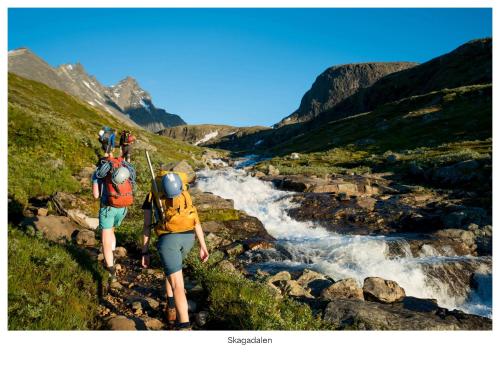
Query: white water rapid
[(339, 256)]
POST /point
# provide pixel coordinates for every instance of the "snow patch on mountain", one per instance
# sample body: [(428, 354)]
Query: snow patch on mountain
[(207, 137)]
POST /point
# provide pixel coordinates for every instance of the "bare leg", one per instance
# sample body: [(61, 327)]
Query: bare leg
[(168, 288), (177, 286), (108, 236)]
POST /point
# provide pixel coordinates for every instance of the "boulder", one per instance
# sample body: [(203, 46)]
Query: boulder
[(383, 291), (259, 174), (235, 250), (307, 276), (293, 288), (212, 226), (344, 289), (42, 211), (120, 252), (81, 219), (183, 167), (280, 276), (294, 156), (365, 315), (228, 267), (208, 201), (54, 228), (86, 238), (257, 243), (121, 323)]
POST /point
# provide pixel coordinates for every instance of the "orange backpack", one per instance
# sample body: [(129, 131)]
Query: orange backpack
[(119, 195)]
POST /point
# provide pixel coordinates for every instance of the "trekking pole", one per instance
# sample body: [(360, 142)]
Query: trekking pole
[(155, 186)]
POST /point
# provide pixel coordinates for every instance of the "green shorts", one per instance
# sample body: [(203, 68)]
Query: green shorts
[(110, 217), (173, 249)]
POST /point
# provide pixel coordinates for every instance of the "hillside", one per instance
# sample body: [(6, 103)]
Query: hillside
[(338, 83), (126, 100), (52, 148), (207, 134)]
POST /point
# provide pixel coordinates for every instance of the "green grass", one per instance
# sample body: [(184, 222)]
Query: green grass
[(219, 215), (431, 131), (242, 304), (53, 135), (51, 287)]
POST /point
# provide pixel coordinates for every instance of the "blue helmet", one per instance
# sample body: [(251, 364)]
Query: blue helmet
[(172, 185)]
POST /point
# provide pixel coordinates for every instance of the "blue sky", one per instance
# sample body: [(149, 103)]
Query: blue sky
[(236, 66)]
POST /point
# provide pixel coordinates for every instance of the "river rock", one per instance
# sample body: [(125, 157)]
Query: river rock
[(121, 323), (257, 243), (208, 201), (280, 276), (86, 238), (366, 315), (235, 249), (228, 267), (201, 318), (153, 324), (384, 291), (344, 289), (120, 252), (271, 170), (293, 288), (42, 211), (307, 276)]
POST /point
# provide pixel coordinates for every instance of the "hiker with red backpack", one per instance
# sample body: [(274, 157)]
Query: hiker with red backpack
[(126, 142), (170, 210), (113, 182)]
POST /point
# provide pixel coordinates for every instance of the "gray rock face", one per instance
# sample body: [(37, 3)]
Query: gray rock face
[(406, 315), (125, 100), (384, 291), (336, 84), (54, 228)]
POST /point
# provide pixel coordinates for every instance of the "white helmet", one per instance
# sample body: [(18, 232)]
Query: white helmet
[(120, 175), (101, 133)]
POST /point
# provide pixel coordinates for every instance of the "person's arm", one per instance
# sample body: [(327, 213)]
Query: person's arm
[(95, 187), (201, 238)]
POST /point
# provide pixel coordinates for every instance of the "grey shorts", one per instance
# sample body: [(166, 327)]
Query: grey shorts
[(173, 249)]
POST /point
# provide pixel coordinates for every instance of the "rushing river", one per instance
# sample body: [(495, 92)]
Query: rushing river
[(343, 256)]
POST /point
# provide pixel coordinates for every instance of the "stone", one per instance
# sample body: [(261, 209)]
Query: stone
[(120, 252), (280, 276), (259, 174), (271, 170), (235, 250), (294, 156), (212, 226), (293, 288), (153, 303), (42, 211), (366, 315), (228, 267), (307, 276), (183, 167), (257, 243), (344, 289), (86, 238), (201, 318), (384, 291), (367, 203), (153, 324), (83, 220), (54, 228), (136, 306), (121, 323)]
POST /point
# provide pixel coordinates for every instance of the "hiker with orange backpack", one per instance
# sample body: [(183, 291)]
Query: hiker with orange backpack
[(126, 143), (113, 182), (170, 205)]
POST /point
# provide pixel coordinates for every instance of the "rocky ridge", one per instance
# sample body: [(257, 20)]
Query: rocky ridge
[(125, 100)]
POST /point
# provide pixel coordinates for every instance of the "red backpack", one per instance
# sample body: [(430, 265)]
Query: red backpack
[(119, 195)]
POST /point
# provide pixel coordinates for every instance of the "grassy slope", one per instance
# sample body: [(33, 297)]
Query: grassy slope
[(51, 287), (51, 137), (431, 130)]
